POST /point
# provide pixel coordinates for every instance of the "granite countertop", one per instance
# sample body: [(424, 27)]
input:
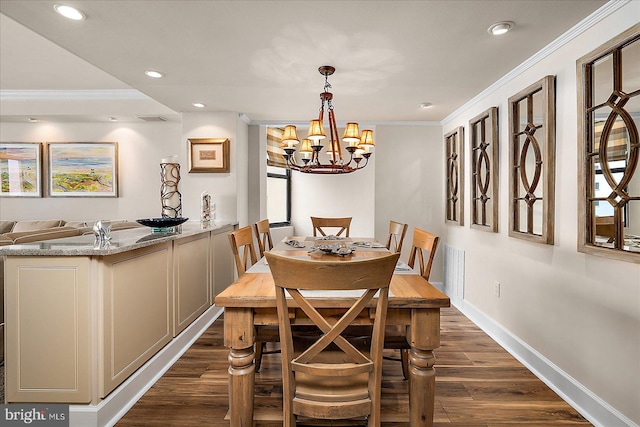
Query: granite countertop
[(121, 241)]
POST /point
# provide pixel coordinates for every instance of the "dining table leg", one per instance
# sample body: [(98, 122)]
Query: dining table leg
[(239, 338), (424, 338)]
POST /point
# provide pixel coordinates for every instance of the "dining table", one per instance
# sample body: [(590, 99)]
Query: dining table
[(250, 301)]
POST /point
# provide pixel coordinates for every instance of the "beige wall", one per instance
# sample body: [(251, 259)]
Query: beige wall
[(408, 187), (580, 312), (141, 146)]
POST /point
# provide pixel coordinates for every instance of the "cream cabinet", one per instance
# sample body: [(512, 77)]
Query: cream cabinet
[(48, 335), (136, 303), (81, 320), (192, 279)]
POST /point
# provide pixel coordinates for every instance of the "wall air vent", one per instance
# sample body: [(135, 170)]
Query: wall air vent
[(152, 118)]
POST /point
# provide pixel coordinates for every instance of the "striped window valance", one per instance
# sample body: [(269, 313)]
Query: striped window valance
[(618, 138), (275, 153)]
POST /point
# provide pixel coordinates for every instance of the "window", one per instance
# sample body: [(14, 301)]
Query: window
[(278, 196), (609, 149), (278, 181)]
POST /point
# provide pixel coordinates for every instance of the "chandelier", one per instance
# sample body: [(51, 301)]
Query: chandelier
[(357, 145)]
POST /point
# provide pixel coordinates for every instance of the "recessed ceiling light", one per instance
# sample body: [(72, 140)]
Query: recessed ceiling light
[(500, 28), (33, 120), (198, 104), (69, 12), (153, 74), (426, 105)]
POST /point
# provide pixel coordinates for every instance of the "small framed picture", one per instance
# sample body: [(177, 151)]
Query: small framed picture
[(87, 169), (209, 155), (21, 169)]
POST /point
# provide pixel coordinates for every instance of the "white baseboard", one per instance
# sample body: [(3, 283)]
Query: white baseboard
[(119, 401), (583, 400)]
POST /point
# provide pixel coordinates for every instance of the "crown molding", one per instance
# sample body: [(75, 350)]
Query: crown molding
[(342, 124), (603, 12), (75, 95)]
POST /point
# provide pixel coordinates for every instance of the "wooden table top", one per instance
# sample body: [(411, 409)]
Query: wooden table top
[(258, 290)]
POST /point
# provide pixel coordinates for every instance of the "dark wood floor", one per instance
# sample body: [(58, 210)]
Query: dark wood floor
[(478, 384)]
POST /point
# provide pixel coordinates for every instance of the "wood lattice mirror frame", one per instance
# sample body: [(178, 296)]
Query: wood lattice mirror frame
[(454, 179), (608, 105), (532, 162), (483, 140)]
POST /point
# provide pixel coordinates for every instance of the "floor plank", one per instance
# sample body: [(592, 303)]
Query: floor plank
[(478, 384)]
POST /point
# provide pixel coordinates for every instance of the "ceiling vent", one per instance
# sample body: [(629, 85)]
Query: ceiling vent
[(152, 118)]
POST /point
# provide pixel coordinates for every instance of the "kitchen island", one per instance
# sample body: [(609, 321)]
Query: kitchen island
[(94, 325)]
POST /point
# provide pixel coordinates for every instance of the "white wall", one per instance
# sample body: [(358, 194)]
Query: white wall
[(140, 147), (340, 195), (408, 187), (229, 191), (580, 312)]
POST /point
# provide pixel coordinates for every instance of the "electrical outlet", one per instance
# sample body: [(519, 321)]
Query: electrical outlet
[(496, 288)]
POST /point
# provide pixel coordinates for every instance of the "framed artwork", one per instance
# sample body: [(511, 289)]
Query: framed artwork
[(86, 169), (454, 157), (209, 155), (21, 169)]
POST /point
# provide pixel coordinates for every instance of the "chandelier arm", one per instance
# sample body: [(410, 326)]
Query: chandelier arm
[(335, 140)]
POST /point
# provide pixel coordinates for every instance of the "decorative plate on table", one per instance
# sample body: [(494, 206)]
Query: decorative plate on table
[(161, 222), (373, 245), (334, 249)]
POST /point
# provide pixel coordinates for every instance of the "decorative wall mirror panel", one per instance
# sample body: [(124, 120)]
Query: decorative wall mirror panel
[(483, 139), (454, 152), (532, 162), (609, 148)]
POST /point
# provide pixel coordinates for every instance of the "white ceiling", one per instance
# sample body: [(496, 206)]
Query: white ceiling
[(261, 57)]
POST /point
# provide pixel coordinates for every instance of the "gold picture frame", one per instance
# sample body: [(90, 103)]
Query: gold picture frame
[(82, 169), (21, 169), (208, 155)]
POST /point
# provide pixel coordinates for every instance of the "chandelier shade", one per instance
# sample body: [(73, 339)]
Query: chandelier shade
[(358, 146)]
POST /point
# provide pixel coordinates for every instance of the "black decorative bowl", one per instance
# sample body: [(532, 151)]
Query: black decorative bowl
[(161, 222)]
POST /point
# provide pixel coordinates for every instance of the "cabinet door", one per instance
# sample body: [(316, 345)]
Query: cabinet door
[(191, 279), (48, 329), (223, 262), (138, 300)]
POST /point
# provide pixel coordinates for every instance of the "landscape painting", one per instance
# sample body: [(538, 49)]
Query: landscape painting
[(20, 169), (83, 169)]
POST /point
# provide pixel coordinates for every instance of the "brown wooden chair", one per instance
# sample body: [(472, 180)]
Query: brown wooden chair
[(423, 248), (243, 249), (263, 234), (397, 231), (320, 224), (326, 376), (605, 227)]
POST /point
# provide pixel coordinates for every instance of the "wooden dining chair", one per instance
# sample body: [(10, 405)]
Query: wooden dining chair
[(423, 248), (397, 231), (320, 224), (263, 234), (327, 376), (243, 249)]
